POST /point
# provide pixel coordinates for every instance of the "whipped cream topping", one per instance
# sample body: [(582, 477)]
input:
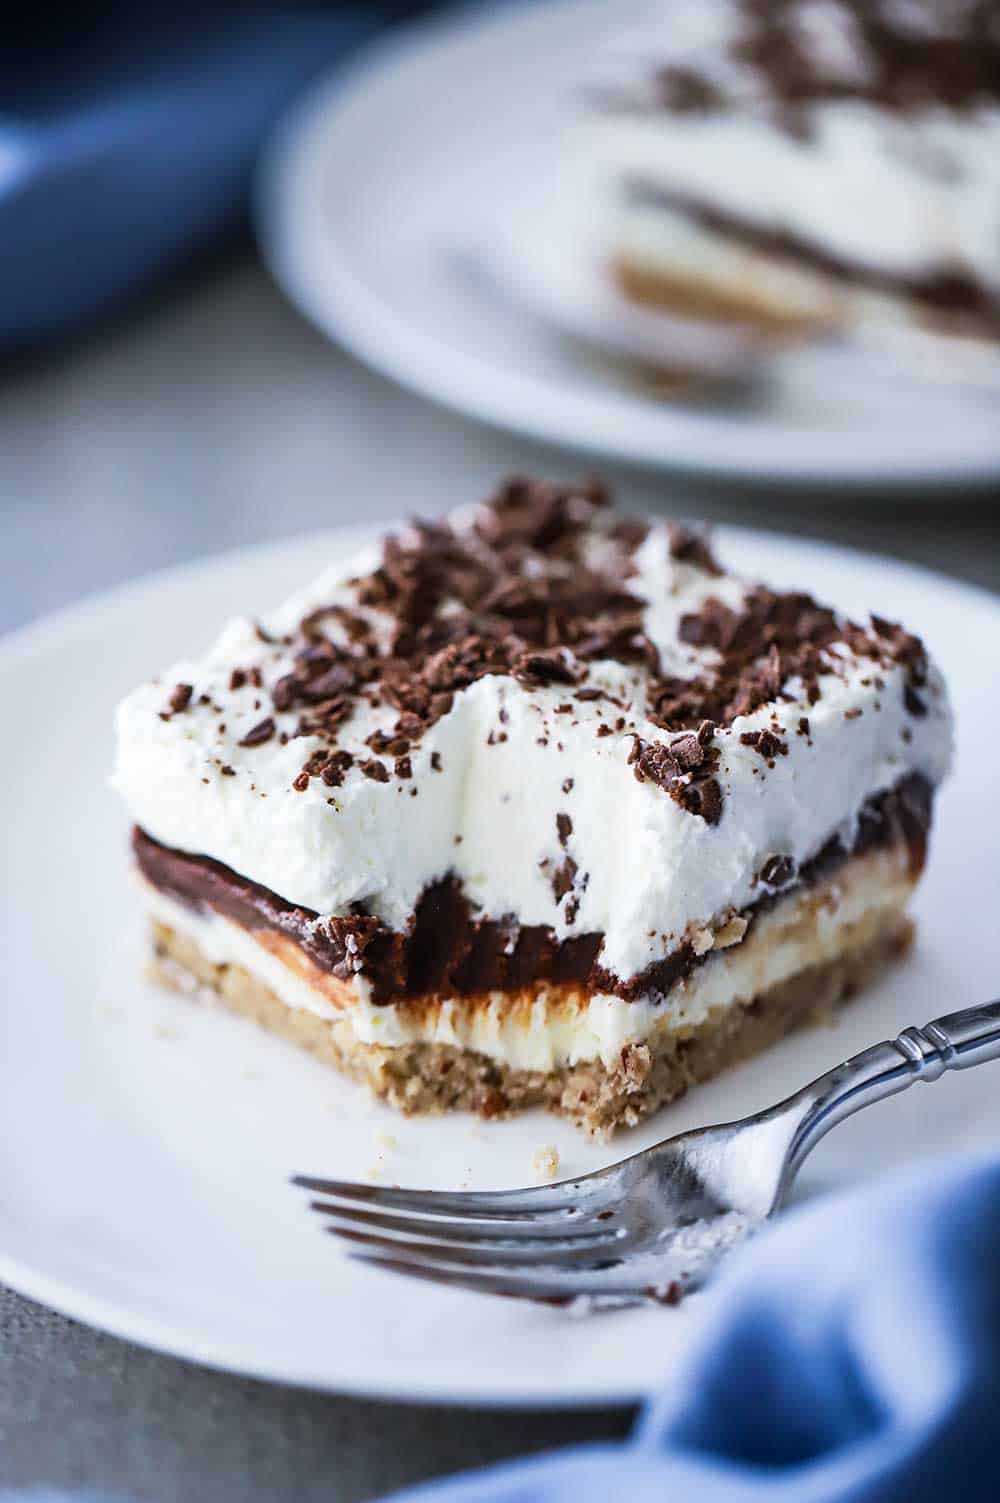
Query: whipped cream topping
[(533, 795), (836, 157)]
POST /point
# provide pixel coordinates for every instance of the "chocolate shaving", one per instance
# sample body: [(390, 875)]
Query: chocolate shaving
[(913, 703), (375, 770), (334, 681), (682, 91), (703, 798), (777, 871), (766, 743), (284, 692), (696, 791), (543, 668), (689, 546), (261, 732), (687, 751), (563, 878)]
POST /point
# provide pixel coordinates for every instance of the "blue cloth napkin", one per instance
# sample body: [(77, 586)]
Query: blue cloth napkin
[(128, 134), (852, 1356)]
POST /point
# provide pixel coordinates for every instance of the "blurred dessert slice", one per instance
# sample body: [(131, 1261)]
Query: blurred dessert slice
[(798, 165)]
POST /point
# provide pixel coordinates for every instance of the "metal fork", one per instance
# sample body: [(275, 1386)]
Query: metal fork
[(655, 1225)]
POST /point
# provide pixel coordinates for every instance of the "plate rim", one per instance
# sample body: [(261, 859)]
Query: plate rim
[(346, 309), (73, 1299), (228, 1357)]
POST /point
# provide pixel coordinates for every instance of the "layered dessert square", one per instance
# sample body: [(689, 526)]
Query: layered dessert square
[(797, 165), (535, 805)]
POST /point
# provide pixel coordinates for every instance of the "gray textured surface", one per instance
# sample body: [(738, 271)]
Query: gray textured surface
[(79, 1408), (218, 418)]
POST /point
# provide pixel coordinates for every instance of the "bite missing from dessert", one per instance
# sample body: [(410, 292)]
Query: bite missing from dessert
[(535, 805), (796, 165)]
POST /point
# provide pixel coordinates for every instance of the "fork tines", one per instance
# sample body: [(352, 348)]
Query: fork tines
[(548, 1242)]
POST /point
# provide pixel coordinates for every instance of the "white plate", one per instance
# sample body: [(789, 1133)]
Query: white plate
[(384, 193), (146, 1141)]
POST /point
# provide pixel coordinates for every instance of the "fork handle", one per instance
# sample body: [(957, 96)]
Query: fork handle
[(957, 1041)]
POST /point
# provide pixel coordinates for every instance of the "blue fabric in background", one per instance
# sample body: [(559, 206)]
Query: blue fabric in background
[(128, 134), (852, 1356)]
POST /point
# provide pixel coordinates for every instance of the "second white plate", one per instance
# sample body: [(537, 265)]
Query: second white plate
[(378, 208)]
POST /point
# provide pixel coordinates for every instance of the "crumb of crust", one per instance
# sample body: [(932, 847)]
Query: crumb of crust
[(731, 932), (545, 1162), (702, 940), (385, 1141)]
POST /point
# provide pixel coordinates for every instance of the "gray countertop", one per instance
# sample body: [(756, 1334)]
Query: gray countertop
[(213, 418)]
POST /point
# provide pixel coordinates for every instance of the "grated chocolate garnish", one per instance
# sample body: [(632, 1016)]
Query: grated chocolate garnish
[(258, 734), (766, 743), (777, 871), (516, 593), (375, 770), (695, 790)]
